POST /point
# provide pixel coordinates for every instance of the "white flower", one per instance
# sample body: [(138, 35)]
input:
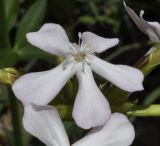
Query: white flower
[(44, 123), (152, 29), (91, 107)]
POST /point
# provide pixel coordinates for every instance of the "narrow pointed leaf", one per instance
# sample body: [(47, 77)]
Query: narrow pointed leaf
[(30, 21), (11, 9)]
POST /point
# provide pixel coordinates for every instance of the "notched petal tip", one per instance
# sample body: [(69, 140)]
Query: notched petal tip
[(116, 41), (91, 109), (139, 77), (117, 131), (40, 88), (32, 38), (97, 43), (125, 77), (51, 38)]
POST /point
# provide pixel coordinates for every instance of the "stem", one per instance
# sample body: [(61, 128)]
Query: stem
[(145, 111), (16, 120), (3, 30)]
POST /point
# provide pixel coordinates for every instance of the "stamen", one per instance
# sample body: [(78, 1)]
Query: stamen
[(80, 38), (80, 54)]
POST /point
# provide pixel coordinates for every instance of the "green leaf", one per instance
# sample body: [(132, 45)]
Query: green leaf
[(11, 9), (153, 96), (30, 21), (29, 52), (116, 95), (122, 50), (4, 38), (7, 58), (87, 20), (73, 130), (3, 94), (65, 111)]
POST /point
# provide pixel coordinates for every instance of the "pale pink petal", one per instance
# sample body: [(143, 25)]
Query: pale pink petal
[(44, 123), (117, 131), (51, 38), (98, 44), (125, 77), (41, 87), (152, 28), (135, 18), (91, 108)]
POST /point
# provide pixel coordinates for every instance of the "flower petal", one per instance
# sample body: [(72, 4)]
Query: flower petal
[(152, 28), (91, 108), (40, 88), (44, 123), (98, 44), (127, 78), (117, 131), (135, 18), (51, 38)]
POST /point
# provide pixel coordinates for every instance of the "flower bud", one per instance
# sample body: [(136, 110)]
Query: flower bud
[(8, 75)]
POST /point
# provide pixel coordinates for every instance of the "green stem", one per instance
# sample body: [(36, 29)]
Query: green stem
[(3, 30), (16, 120), (145, 111)]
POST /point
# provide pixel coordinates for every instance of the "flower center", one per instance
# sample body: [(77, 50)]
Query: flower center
[(80, 56)]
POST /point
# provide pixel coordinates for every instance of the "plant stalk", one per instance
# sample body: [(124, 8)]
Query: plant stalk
[(16, 120), (3, 30)]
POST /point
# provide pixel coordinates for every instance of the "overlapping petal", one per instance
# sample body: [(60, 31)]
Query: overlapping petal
[(91, 108), (127, 78), (117, 131), (40, 88), (98, 44), (44, 123), (51, 38)]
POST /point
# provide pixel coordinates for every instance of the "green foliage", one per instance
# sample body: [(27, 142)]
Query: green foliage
[(30, 21), (29, 52), (152, 97), (11, 11)]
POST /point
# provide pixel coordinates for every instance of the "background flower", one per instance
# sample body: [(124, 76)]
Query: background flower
[(44, 123)]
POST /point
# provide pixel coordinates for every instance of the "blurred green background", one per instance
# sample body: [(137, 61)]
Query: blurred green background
[(106, 18)]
